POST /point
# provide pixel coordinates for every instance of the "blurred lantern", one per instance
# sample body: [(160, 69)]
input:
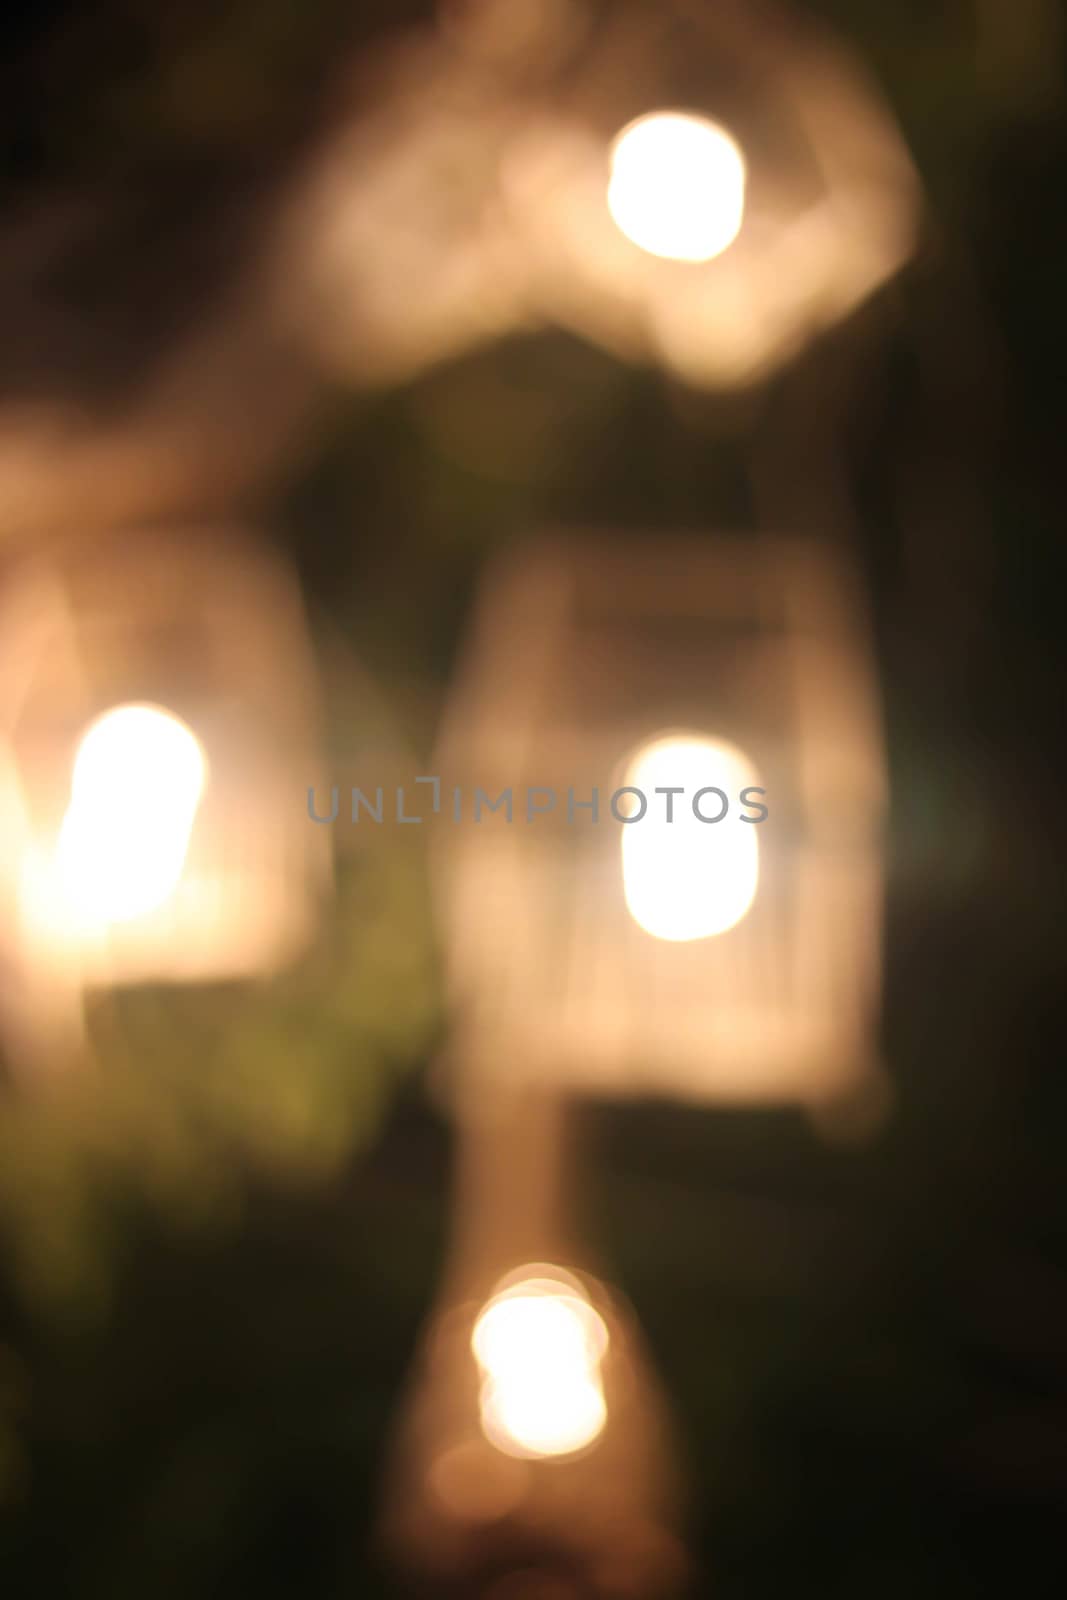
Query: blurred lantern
[(535, 1444), (706, 186), (158, 709), (710, 186), (685, 899)]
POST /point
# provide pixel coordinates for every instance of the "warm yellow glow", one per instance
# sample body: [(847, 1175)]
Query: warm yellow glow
[(137, 781), (687, 878), (539, 1344), (677, 186)]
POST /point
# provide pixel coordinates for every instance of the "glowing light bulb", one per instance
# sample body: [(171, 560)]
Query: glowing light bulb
[(677, 186), (138, 777), (687, 878), (539, 1344)]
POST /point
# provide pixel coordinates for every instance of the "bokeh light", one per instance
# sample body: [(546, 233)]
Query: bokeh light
[(539, 1344), (138, 777), (686, 878), (677, 186)]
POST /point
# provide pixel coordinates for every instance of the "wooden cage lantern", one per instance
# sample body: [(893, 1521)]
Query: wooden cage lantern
[(705, 187), (157, 721), (709, 187), (665, 877)]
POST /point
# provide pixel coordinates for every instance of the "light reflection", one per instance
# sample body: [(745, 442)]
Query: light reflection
[(687, 878), (138, 777), (677, 186), (539, 1344)]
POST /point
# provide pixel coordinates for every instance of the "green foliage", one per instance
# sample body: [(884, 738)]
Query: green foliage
[(191, 1091)]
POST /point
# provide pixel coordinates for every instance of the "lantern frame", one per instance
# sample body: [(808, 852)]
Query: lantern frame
[(207, 626), (831, 198), (581, 651), (466, 197)]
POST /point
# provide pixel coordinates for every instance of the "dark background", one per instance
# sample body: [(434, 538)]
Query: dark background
[(866, 1346)]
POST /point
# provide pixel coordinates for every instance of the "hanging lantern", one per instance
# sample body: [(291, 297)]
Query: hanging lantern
[(663, 871), (535, 1440), (157, 719), (707, 187), (710, 187), (534, 1436)]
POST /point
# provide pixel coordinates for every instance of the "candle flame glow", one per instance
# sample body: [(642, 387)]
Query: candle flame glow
[(689, 878), (137, 782), (539, 1344), (677, 186)]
